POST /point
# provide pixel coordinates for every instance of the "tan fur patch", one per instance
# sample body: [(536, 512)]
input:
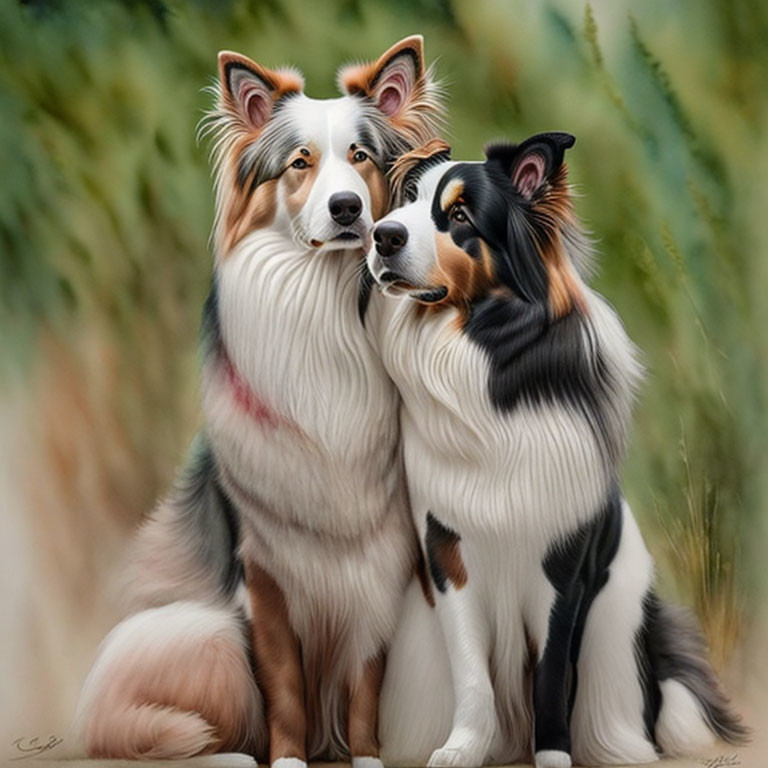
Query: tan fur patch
[(277, 662), (246, 213), (444, 553), (360, 78), (450, 560), (464, 277), (454, 189), (564, 286), (298, 183), (376, 181), (364, 710)]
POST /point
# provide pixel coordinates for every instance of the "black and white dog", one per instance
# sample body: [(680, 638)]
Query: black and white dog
[(517, 383)]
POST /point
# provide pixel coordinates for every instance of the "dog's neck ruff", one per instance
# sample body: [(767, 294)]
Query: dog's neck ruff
[(247, 399)]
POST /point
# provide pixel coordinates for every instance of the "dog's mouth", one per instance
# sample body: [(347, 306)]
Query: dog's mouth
[(341, 240), (393, 284)]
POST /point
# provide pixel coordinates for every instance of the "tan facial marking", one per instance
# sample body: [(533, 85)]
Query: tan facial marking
[(249, 212), (363, 712), (297, 182), (378, 188), (277, 662), (464, 276), (454, 189)]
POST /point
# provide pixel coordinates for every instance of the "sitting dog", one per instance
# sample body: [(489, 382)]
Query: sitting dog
[(517, 382), (288, 542)]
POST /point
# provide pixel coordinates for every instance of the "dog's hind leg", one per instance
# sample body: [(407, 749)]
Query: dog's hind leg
[(576, 569), (608, 724), (172, 682)]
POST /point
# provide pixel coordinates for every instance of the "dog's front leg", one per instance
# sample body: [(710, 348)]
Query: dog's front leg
[(467, 639), (364, 715), (277, 663)]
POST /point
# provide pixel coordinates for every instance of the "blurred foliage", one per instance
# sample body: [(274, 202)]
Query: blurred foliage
[(106, 205)]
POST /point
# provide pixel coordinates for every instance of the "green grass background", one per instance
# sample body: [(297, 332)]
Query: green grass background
[(106, 208)]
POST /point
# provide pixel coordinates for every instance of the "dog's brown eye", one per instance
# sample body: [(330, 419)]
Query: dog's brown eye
[(458, 214), (299, 162), (359, 156)]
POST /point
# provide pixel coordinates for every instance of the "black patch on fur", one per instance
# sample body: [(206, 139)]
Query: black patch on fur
[(364, 289), (670, 645), (535, 361), (577, 566), (438, 536), (505, 220), (206, 510), (535, 358)]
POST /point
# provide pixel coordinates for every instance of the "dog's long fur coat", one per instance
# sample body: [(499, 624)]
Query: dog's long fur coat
[(288, 537), (517, 382)]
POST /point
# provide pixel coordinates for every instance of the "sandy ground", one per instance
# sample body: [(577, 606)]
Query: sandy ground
[(726, 758)]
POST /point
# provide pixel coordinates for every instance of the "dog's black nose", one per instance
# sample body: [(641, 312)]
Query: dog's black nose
[(345, 207), (390, 237)]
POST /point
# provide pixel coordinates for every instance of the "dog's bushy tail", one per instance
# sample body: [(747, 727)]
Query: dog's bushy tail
[(682, 689)]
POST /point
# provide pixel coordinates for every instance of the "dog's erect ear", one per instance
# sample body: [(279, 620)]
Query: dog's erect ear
[(398, 84), (533, 162), (250, 91), (404, 169)]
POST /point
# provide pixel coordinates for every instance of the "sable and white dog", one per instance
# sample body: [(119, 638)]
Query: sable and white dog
[(517, 382), (289, 536)]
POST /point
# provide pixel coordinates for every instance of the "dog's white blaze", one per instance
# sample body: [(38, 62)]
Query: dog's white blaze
[(331, 126)]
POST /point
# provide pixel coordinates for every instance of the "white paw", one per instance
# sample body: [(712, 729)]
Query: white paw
[(367, 762), (456, 757), (289, 762), (553, 758)]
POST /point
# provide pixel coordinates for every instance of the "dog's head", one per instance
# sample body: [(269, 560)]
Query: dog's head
[(467, 230), (315, 170)]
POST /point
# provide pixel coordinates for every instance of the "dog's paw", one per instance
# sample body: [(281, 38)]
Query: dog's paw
[(552, 758), (289, 762), (367, 762), (456, 757)]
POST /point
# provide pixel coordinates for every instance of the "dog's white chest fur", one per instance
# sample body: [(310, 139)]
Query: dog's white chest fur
[(514, 474), (319, 481), (289, 322)]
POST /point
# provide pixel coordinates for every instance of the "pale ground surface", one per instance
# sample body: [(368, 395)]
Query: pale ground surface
[(753, 705), (749, 675)]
